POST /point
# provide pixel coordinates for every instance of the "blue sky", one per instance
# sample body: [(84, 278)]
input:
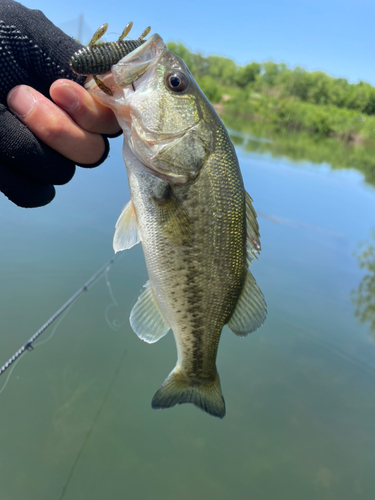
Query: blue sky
[(336, 36)]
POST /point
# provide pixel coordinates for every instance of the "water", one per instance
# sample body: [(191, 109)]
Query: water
[(76, 420)]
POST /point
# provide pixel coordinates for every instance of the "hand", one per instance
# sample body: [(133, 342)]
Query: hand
[(72, 127), (34, 55)]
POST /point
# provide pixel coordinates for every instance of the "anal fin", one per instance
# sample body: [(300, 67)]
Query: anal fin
[(251, 308), (146, 318)]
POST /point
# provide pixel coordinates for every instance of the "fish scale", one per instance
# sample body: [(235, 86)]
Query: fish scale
[(194, 274), (196, 222)]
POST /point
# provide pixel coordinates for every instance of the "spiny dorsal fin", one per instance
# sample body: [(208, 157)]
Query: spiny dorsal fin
[(126, 233), (178, 389), (146, 318), (251, 308), (252, 231)]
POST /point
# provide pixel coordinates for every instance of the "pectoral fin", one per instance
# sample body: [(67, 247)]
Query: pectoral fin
[(252, 231), (146, 318), (251, 309), (126, 233), (173, 218)]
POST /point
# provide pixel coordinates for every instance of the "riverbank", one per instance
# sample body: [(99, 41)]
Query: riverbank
[(262, 137), (285, 98), (346, 125)]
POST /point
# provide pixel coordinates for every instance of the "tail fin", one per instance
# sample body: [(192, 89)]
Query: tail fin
[(178, 389)]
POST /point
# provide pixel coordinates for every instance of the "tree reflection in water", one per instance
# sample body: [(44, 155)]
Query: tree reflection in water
[(364, 297)]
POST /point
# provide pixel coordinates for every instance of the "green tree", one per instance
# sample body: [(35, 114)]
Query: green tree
[(210, 88), (271, 71), (222, 69), (247, 74), (197, 64)]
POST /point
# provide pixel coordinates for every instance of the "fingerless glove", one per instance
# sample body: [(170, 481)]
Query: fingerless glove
[(33, 51)]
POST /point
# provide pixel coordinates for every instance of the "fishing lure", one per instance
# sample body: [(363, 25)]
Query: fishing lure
[(97, 59)]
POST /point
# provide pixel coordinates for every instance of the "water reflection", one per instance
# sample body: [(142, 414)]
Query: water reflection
[(263, 137), (115, 320), (90, 430), (76, 420), (364, 297), (66, 399), (245, 137), (299, 225)]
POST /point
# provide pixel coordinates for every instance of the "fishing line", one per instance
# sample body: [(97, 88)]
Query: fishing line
[(36, 345), (114, 324), (95, 419), (9, 374), (28, 345), (57, 324)]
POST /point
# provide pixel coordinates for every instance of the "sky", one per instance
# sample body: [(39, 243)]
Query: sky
[(335, 36)]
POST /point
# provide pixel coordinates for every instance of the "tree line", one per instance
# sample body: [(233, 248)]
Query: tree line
[(276, 80)]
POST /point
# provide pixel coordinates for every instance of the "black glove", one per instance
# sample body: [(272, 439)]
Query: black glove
[(34, 52)]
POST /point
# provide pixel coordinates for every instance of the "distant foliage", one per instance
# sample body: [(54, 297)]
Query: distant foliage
[(277, 80), (198, 65), (246, 75), (316, 87)]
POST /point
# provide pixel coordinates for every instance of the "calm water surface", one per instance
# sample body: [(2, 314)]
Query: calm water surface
[(76, 419)]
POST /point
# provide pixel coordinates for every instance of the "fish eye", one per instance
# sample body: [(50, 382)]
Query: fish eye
[(176, 81)]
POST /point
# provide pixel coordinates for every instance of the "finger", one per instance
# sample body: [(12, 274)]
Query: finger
[(83, 109), (54, 127), (21, 151)]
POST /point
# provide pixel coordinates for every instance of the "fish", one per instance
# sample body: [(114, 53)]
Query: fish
[(189, 209)]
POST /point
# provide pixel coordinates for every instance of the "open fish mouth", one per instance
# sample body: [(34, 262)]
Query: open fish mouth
[(133, 65), (144, 137)]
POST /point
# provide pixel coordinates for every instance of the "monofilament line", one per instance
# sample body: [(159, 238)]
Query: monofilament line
[(28, 345)]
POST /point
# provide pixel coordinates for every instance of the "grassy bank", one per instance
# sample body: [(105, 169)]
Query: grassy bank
[(321, 120)]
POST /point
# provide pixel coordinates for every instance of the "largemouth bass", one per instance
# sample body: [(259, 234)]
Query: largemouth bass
[(190, 211)]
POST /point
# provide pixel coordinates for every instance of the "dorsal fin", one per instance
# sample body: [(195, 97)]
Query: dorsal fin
[(126, 233), (252, 231)]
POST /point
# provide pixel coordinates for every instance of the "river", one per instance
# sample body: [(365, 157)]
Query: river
[(76, 418)]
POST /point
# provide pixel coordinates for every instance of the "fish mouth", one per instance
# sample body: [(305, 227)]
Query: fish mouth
[(147, 145), (128, 70), (134, 64)]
